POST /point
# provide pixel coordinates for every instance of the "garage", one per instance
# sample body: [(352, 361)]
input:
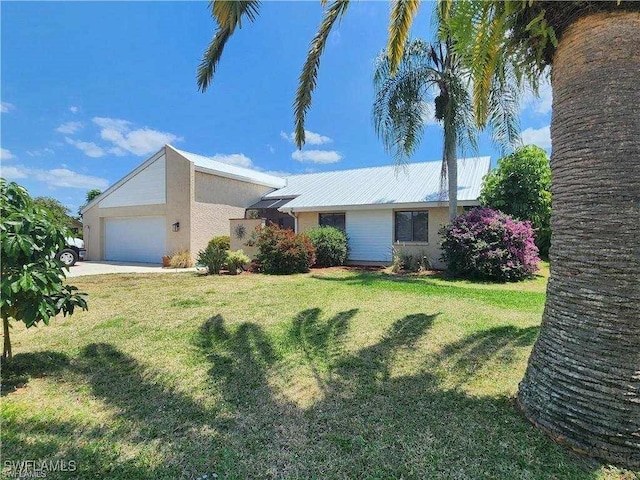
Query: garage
[(135, 239)]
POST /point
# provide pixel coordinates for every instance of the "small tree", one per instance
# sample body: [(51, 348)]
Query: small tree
[(59, 212), (521, 187), (32, 287), (93, 193)]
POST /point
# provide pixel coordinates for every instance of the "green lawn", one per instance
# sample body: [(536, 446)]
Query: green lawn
[(333, 374)]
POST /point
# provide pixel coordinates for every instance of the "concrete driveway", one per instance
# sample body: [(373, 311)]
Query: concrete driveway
[(100, 268)]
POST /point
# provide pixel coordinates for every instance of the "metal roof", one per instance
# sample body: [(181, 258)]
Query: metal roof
[(209, 165), (416, 183), (270, 203)]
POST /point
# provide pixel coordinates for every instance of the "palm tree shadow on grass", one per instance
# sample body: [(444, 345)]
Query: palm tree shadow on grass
[(370, 422), (466, 356)]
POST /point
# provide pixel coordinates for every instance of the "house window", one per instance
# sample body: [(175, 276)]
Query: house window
[(412, 226), (332, 220)]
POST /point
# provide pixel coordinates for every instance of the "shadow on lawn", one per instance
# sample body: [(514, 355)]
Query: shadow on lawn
[(16, 372), (369, 422)]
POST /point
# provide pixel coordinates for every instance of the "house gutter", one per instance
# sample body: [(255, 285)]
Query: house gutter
[(295, 219)]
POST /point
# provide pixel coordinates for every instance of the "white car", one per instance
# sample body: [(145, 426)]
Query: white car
[(72, 252)]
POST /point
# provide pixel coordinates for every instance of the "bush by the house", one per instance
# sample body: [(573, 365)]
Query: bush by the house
[(404, 261), (215, 255), (521, 186), (237, 260), (330, 244), (488, 244), (280, 251), (181, 260)]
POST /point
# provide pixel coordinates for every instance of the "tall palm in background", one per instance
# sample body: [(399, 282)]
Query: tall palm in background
[(434, 73), (582, 384)]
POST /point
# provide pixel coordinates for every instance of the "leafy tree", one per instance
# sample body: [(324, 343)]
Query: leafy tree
[(59, 212), (93, 193), (581, 382), (32, 285), (401, 108), (521, 187)]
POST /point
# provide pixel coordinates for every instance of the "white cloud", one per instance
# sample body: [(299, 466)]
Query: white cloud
[(90, 149), (74, 109), (39, 153), (238, 159), (63, 177), (12, 173), (56, 177), (311, 138), (276, 173), (6, 107), (69, 127), (317, 156), (6, 154), (542, 103), (142, 141), (537, 136)]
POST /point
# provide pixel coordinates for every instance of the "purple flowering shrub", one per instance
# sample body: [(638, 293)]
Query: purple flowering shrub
[(488, 244)]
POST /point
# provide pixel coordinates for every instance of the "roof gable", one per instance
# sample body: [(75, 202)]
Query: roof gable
[(209, 165)]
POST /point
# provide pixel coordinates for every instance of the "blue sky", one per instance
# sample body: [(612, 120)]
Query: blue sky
[(91, 89)]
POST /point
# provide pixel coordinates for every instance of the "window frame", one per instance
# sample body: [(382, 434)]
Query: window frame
[(412, 212)]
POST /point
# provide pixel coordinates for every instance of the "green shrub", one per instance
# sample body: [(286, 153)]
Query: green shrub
[(404, 261), (331, 246), (236, 260), (215, 255), (223, 242), (280, 251), (181, 260)]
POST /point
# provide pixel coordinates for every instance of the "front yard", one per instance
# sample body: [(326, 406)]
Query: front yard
[(332, 374)]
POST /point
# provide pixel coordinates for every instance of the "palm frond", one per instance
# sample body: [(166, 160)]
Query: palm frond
[(504, 111), (402, 14), (400, 110), (228, 16), (309, 75)]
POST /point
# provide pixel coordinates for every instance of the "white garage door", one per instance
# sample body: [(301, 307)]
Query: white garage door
[(135, 239), (370, 235)]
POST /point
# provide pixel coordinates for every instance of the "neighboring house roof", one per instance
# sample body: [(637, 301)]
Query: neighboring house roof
[(416, 183), (209, 165)]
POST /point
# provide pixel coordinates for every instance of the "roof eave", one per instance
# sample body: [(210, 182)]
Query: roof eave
[(375, 206)]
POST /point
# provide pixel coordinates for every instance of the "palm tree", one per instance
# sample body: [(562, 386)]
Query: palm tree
[(582, 382), (401, 109)]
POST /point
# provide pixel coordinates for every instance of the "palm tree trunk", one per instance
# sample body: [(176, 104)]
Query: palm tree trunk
[(582, 384), (6, 350), (451, 159)]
